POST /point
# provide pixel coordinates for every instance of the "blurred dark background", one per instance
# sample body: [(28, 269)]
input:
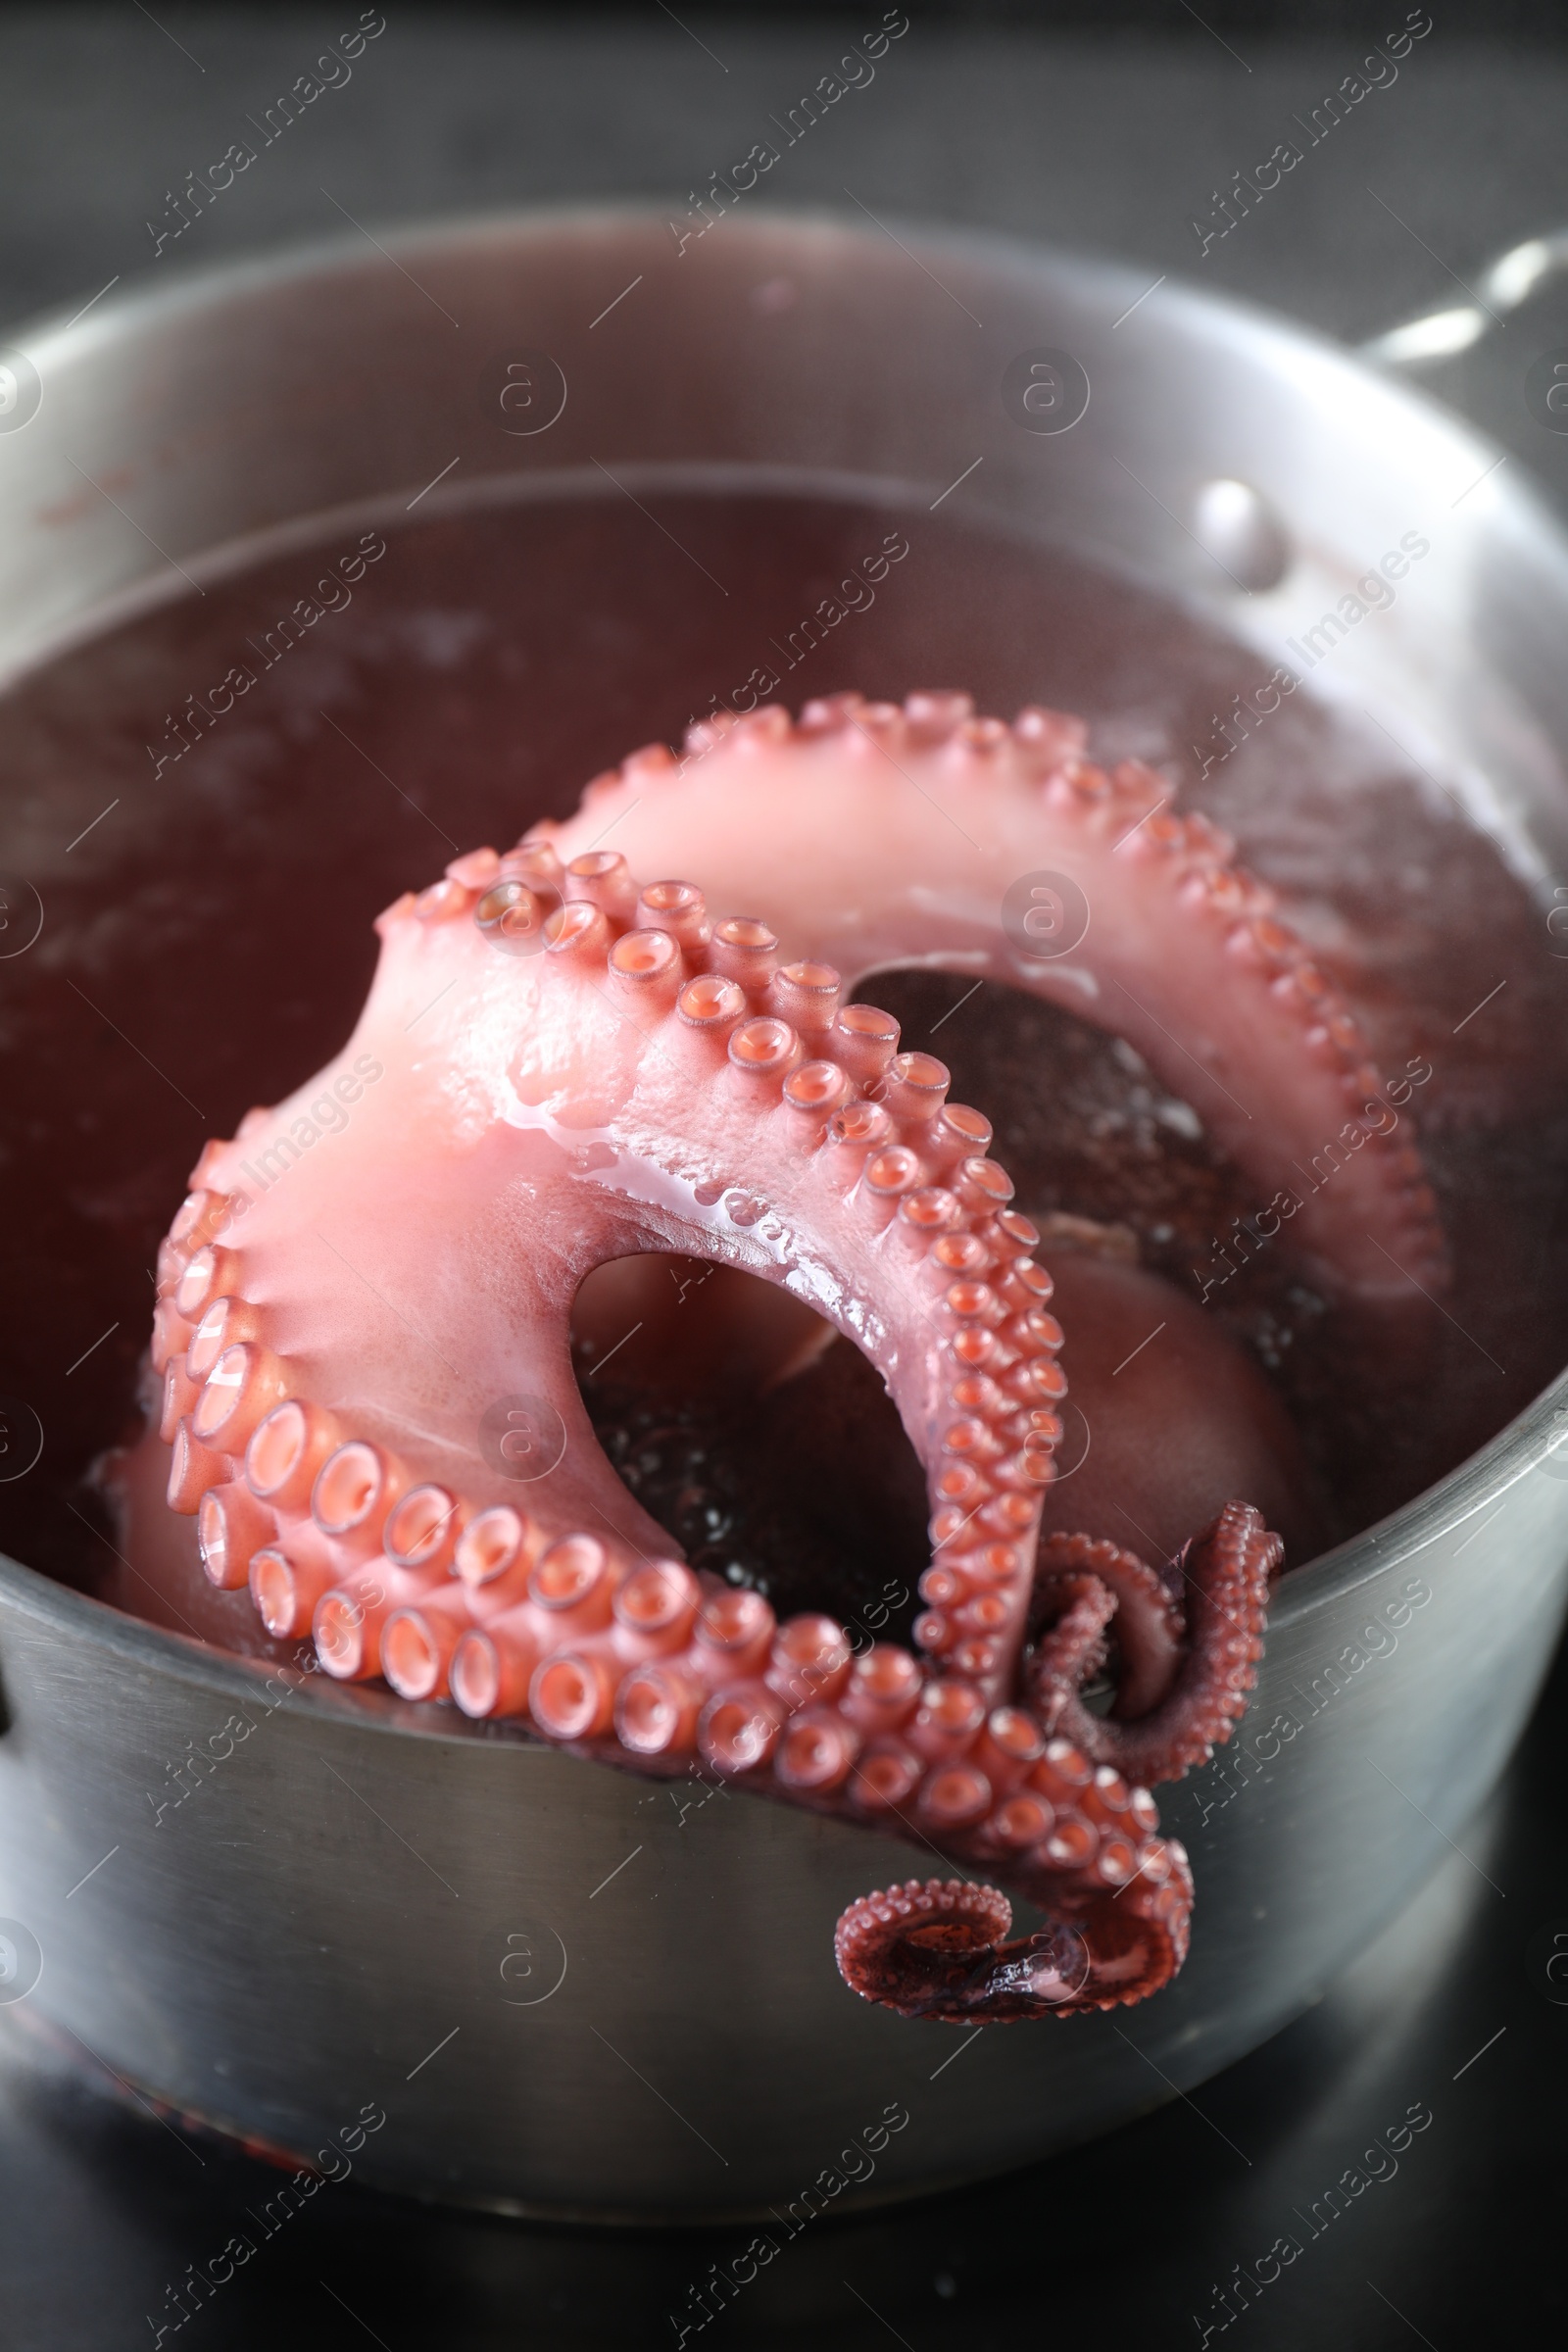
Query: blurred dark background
[(1106, 128)]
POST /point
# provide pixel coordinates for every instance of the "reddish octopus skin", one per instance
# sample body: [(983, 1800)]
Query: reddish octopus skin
[(1158, 1435), (873, 835), (629, 1086), (1165, 1716)]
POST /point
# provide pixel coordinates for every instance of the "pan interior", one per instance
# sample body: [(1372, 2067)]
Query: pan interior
[(209, 865)]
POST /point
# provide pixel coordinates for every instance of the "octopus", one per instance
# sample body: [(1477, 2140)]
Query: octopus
[(362, 1416)]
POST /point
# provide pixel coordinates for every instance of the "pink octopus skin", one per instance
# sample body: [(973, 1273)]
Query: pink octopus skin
[(556, 1068), (875, 836)]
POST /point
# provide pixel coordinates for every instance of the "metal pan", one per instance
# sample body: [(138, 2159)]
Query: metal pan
[(373, 1910)]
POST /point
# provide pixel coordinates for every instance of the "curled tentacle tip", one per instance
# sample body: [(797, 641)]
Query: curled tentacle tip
[(934, 1949), (1187, 1647)]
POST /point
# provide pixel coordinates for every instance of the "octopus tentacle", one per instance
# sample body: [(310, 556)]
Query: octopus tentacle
[(877, 835), (1072, 1648), (1177, 1700), (936, 1949), (600, 1085), (712, 1131), (1148, 1614)]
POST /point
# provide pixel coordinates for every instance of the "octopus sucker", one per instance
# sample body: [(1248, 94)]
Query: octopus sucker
[(365, 1426), (874, 835)]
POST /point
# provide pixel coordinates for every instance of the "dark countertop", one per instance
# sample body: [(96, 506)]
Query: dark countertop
[(1110, 147), (1114, 148)]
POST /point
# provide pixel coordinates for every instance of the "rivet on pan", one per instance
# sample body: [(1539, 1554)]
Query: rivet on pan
[(1241, 533)]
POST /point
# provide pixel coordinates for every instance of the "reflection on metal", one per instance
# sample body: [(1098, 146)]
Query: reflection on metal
[(1518, 275), (1232, 523)]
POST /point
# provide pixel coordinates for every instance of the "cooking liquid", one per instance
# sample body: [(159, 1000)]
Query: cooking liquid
[(207, 944)]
